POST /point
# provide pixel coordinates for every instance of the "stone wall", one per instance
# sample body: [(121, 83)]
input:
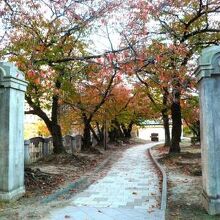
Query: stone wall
[(38, 147)]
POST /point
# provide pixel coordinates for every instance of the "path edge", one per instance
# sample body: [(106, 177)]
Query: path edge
[(82, 182), (163, 204)]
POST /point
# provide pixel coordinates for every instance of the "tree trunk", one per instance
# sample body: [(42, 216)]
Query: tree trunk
[(52, 125), (86, 137), (86, 133), (127, 130), (100, 132), (166, 128), (177, 123), (119, 131), (57, 139), (165, 117), (115, 133), (94, 134), (56, 129)]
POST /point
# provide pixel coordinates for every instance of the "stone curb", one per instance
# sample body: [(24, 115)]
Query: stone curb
[(163, 204), (82, 183)]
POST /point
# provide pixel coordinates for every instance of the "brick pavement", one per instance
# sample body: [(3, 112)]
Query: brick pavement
[(130, 191)]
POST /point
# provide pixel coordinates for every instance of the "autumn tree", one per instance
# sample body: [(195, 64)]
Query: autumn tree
[(152, 71), (122, 108), (189, 25), (119, 116), (192, 24), (45, 40), (90, 92)]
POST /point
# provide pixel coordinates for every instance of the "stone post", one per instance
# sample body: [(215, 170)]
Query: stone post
[(208, 76), (26, 152), (12, 90)]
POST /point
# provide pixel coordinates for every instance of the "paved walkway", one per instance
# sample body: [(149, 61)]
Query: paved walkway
[(129, 191)]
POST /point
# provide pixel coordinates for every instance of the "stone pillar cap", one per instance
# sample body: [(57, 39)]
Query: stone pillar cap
[(9, 70), (11, 77), (208, 63)]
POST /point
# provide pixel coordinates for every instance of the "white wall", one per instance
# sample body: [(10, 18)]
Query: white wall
[(145, 133)]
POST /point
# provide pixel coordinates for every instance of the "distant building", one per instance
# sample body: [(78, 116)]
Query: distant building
[(149, 127)]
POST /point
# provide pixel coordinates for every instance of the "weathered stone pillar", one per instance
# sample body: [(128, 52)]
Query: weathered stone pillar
[(12, 90), (208, 75)]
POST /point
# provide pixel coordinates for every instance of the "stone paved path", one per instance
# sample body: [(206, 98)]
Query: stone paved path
[(130, 191)]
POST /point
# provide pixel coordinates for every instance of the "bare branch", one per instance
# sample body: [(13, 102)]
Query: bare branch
[(9, 6)]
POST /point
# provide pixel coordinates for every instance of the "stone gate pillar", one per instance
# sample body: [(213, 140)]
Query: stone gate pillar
[(208, 75), (12, 90)]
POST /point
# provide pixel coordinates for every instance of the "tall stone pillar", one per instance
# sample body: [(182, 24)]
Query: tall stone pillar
[(208, 75), (12, 91)]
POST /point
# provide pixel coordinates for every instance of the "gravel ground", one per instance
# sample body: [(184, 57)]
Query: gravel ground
[(184, 182)]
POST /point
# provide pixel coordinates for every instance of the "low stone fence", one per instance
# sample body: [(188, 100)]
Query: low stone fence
[(72, 143), (38, 147)]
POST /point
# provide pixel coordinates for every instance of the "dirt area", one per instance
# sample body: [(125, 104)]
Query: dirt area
[(184, 182), (46, 175), (56, 172)]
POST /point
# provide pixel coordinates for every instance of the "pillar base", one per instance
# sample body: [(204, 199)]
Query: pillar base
[(13, 195), (212, 205)]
